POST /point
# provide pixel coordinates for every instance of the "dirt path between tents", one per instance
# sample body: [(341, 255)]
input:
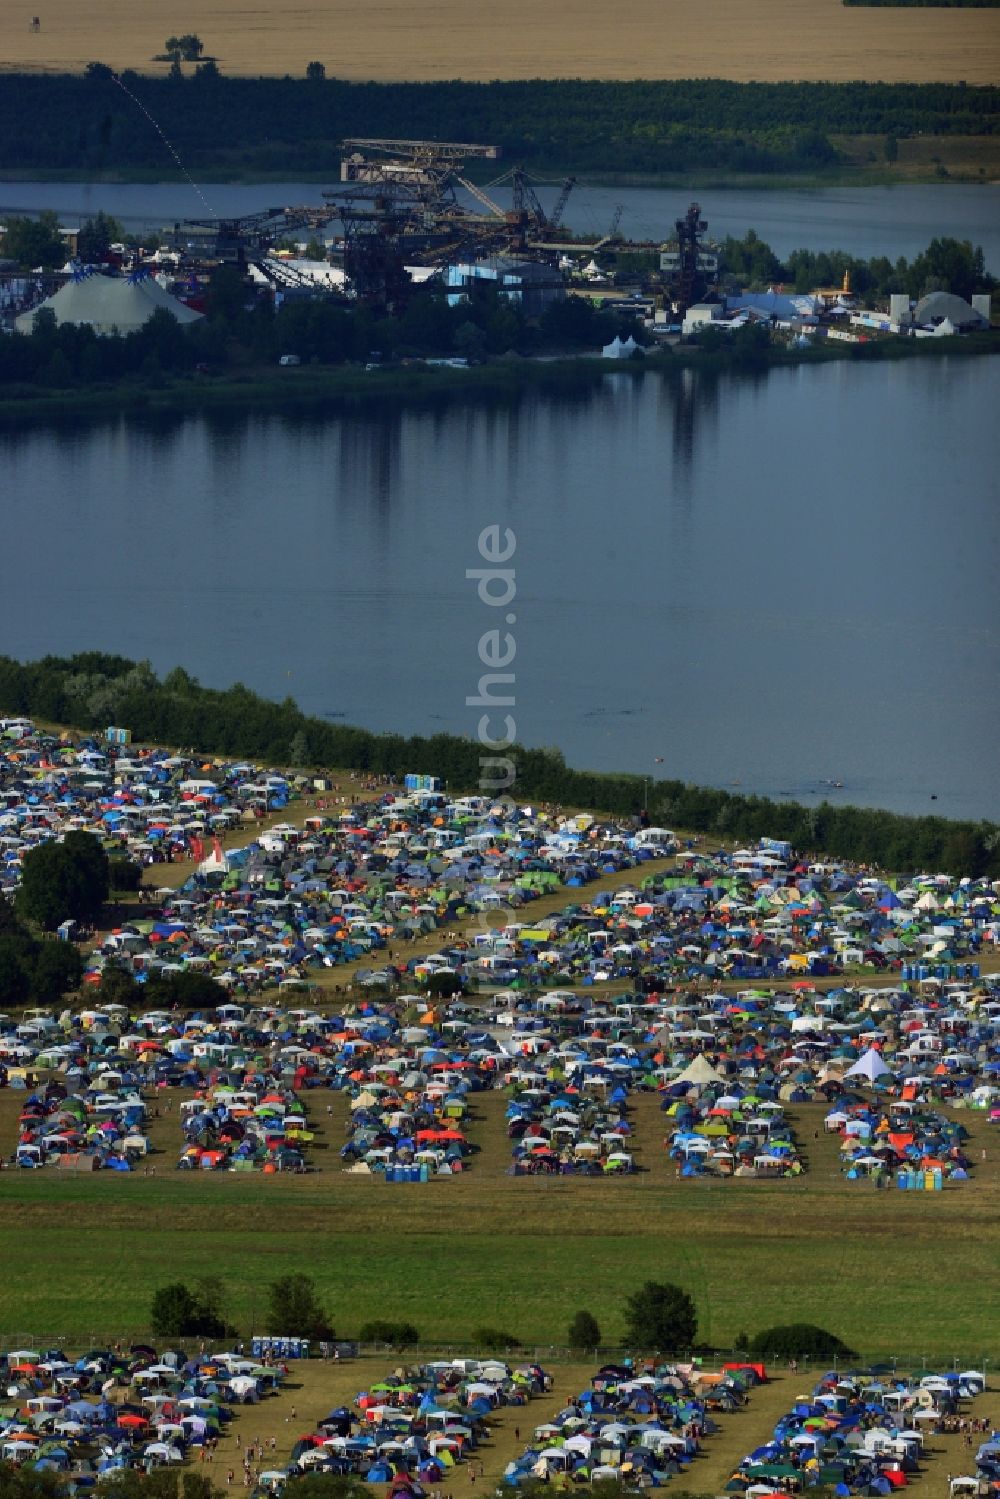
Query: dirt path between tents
[(752, 1426), (741, 1431), (326, 986), (316, 1387)]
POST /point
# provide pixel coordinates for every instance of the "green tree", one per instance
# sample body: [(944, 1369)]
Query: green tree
[(294, 1309), (172, 48), (173, 1310), (35, 242), (950, 265), (584, 1332), (225, 295), (891, 149), (24, 1483), (124, 875), (660, 1315), (191, 46), (63, 880), (177, 1312), (15, 973), (96, 236), (58, 967), (316, 71), (117, 985), (298, 750), (470, 342), (9, 923)]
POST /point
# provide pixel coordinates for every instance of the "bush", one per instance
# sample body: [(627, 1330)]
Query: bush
[(660, 1315), (584, 1332), (801, 1340), (444, 985), (187, 990), (494, 1339), (397, 1334)]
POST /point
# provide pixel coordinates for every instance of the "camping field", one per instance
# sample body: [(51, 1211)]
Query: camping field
[(315, 1387), (893, 1273), (442, 39)]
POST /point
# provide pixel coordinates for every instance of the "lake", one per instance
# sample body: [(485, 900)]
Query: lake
[(864, 221), (768, 581)]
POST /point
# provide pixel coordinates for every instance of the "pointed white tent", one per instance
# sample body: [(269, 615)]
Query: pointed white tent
[(870, 1067), (620, 348), (700, 1073)]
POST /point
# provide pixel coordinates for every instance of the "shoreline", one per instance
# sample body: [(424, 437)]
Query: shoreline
[(322, 389), (715, 180)]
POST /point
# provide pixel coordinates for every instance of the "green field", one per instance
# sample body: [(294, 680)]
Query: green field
[(892, 1273)]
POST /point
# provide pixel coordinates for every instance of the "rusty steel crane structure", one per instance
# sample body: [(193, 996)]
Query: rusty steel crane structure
[(694, 265), (247, 240), (398, 202)]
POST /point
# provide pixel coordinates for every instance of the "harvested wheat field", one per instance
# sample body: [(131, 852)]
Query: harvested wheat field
[(392, 40)]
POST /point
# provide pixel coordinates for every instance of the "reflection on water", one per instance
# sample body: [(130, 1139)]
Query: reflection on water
[(778, 579)]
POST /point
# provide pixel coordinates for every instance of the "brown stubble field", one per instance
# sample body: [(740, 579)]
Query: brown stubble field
[(392, 40)]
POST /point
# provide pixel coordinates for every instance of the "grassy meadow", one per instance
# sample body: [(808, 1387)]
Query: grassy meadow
[(890, 1272)]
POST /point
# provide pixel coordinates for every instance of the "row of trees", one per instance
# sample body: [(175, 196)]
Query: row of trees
[(38, 241), (93, 689), (327, 331), (658, 1315), (287, 124), (162, 1483), (947, 264)]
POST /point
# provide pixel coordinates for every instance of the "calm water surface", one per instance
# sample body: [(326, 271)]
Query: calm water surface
[(773, 581), (863, 221)]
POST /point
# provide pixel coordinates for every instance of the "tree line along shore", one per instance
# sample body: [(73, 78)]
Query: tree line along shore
[(93, 689)]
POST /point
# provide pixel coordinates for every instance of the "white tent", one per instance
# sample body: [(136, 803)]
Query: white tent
[(870, 1067), (109, 304), (621, 348), (700, 1073)]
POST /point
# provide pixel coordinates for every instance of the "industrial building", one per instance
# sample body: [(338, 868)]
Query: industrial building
[(530, 285)]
